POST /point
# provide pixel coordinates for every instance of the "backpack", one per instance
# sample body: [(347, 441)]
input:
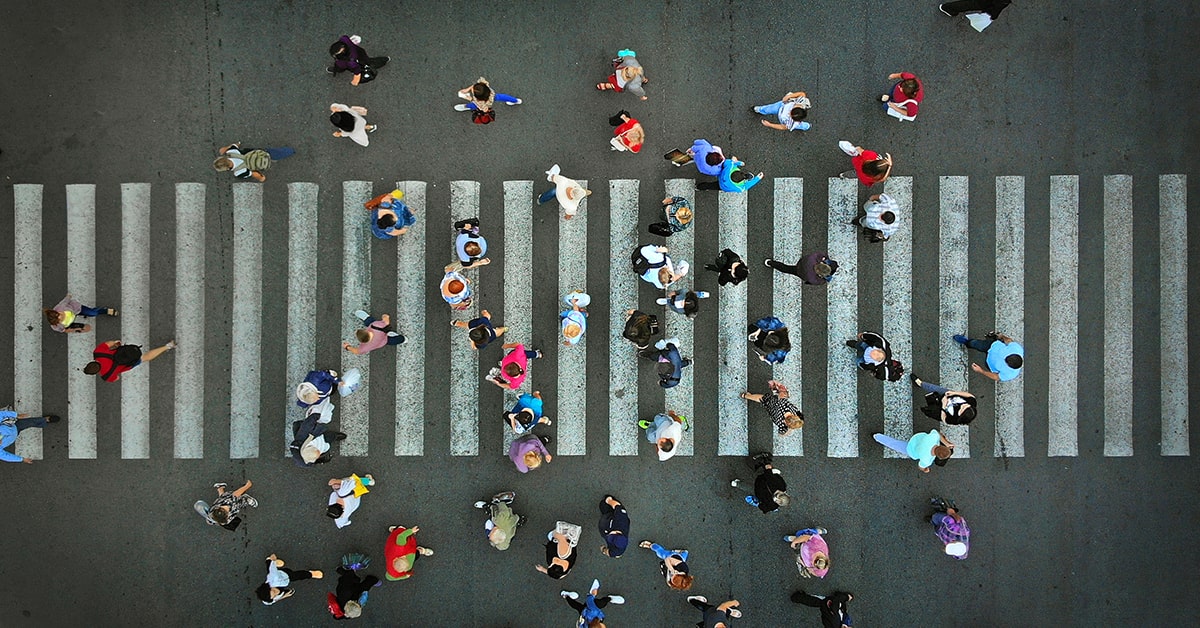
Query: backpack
[(483, 117), (257, 160), (890, 370), (641, 264), (127, 355)]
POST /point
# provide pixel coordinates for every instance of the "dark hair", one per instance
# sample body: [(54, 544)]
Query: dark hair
[(511, 367), (714, 158), (691, 303), (740, 272), (339, 50), (264, 592), (478, 334), (668, 445), (386, 220), (1014, 361), (472, 248), (481, 91), (362, 335), (617, 120), (773, 340), (342, 120), (52, 316), (323, 458), (737, 176), (888, 217), (875, 167), (92, 368), (909, 87), (799, 113), (334, 511), (221, 516)]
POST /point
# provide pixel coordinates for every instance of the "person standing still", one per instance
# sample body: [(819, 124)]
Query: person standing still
[(348, 56)]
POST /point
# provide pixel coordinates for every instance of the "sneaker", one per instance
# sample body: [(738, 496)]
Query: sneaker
[(644, 424), (171, 345), (506, 497), (339, 436), (661, 301), (853, 343), (915, 380), (546, 440), (331, 69), (616, 599), (755, 110), (942, 8), (569, 594), (822, 531), (734, 613), (595, 585), (960, 339), (884, 98), (356, 39), (789, 538), (53, 418), (735, 483), (250, 501), (767, 262), (461, 107), (702, 294), (697, 598), (519, 101), (552, 171), (521, 520), (480, 504), (372, 128), (847, 148), (424, 551), (849, 174), (361, 315), (220, 485)]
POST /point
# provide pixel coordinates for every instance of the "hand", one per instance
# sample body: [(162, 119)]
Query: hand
[(924, 469), (549, 457), (415, 529), (766, 123), (975, 367), (27, 460), (356, 79)]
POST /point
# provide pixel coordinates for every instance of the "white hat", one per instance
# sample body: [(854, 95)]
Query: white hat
[(956, 548)]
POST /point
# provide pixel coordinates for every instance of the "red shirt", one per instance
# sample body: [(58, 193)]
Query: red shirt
[(899, 96), (625, 126), (859, 160), (106, 356)]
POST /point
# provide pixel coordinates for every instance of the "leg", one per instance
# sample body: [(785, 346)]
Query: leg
[(91, 312), (35, 421), (894, 444), (280, 153), (703, 606), (603, 601), (752, 397), (981, 346), (791, 269), (296, 575), (154, 353), (933, 388), (548, 195), (506, 99), (378, 62), (770, 110), (708, 185), (368, 320), (800, 597), (575, 604), (395, 338), (962, 6)]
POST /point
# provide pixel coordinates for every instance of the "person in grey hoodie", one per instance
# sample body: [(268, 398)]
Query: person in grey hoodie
[(627, 76)]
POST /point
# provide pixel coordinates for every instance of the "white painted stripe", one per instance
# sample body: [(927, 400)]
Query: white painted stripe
[(27, 303), (464, 361), (518, 285), (1010, 309), (246, 362), (622, 287), (189, 320), (955, 298), (302, 298), (571, 416), (1173, 308), (1062, 349), (410, 321), (81, 282), (135, 317), (355, 417), (732, 346), (842, 375), (1118, 315), (897, 314), (787, 290), (682, 247)]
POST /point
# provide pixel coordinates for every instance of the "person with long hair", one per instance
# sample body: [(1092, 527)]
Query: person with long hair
[(628, 75), (279, 579), (673, 564), (869, 167), (812, 552), (348, 56), (63, 317), (351, 122)]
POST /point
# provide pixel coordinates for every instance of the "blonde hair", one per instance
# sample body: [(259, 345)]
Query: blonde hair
[(572, 330), (820, 561), (664, 275), (630, 72), (533, 459), (782, 499), (793, 421), (222, 164)]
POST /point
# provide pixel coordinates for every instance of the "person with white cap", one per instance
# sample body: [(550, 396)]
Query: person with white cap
[(589, 610), (568, 192), (346, 496), (574, 320), (790, 110), (950, 527)]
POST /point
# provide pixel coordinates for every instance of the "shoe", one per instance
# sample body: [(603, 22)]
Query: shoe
[(356, 39), (424, 551), (386, 60), (519, 101), (113, 312), (767, 262), (569, 594), (849, 174), (942, 8), (339, 436), (789, 538), (506, 497), (847, 148), (884, 98), (220, 485), (480, 504), (661, 301), (764, 457), (546, 440), (853, 344), (616, 599), (331, 69), (700, 294), (644, 424), (372, 129), (171, 345), (960, 339), (595, 585), (461, 107), (752, 500), (521, 520), (552, 171), (250, 501), (317, 574), (822, 531), (915, 380), (361, 314), (734, 613), (734, 483), (53, 418), (697, 598)]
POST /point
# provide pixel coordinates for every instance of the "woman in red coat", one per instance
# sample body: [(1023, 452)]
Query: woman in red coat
[(401, 552)]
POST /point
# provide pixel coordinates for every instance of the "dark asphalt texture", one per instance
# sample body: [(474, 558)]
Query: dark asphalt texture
[(108, 93)]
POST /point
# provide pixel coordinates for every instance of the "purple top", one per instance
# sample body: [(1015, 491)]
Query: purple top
[(809, 549), (352, 63), (524, 445), (700, 150), (950, 531)]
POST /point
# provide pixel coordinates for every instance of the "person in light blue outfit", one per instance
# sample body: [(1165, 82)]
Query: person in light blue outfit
[(927, 448), (731, 178), (574, 320), (12, 424), (790, 111), (526, 414), (1005, 356), (708, 158)]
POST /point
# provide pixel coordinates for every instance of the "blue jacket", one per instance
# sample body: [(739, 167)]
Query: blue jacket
[(700, 150), (8, 436), (728, 167)]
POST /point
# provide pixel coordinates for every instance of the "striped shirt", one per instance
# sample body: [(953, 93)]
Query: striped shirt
[(777, 407)]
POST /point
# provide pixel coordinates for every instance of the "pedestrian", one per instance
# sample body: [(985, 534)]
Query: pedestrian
[(715, 616), (812, 552), (670, 362), (345, 497), (390, 217), (481, 100), (513, 366), (351, 122), (480, 331), (561, 552), (628, 134), (833, 607), (348, 56), (456, 291), (351, 594), (655, 267), (526, 414), (569, 192), (905, 96), (590, 614), (816, 268), (401, 552), (791, 110), (311, 438), (875, 356), (769, 337), (111, 358), (502, 522), (731, 178), (469, 246), (708, 158), (956, 407), (63, 318), (927, 448), (1005, 356), (673, 564), (528, 452), (769, 491), (869, 167), (784, 414), (640, 328), (316, 390), (879, 218), (12, 424), (664, 431), (573, 321), (226, 509), (249, 163), (686, 303), (375, 333), (981, 13), (279, 579), (677, 217), (730, 268), (950, 527), (614, 527), (627, 75)]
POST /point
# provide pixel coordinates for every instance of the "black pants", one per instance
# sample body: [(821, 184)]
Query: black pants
[(991, 7), (296, 574), (708, 185), (791, 269), (601, 602)]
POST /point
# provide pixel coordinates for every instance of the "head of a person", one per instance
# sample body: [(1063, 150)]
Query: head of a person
[(472, 248), (481, 91), (323, 458), (799, 113), (91, 368), (478, 335), (352, 609), (266, 592), (739, 271), (596, 622), (956, 548), (737, 176), (52, 316), (1014, 361), (532, 459), (793, 420), (339, 50), (681, 581), (497, 536), (630, 72), (877, 355), (910, 87), (615, 545), (773, 341), (362, 335), (334, 511), (512, 369), (823, 270), (966, 413), (941, 452), (877, 167), (455, 286), (664, 275), (683, 215), (820, 561), (571, 331), (526, 416), (220, 514), (887, 217), (222, 164), (781, 499), (666, 445), (342, 120), (386, 221), (714, 158)]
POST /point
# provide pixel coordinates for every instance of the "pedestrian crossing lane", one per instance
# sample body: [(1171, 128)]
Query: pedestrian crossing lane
[(897, 314), (81, 260), (682, 246), (841, 392), (954, 365), (354, 410), (245, 361), (622, 355), (302, 298), (464, 361), (1173, 308), (27, 325), (732, 438), (787, 292), (1062, 346), (189, 320), (410, 319), (1118, 316), (518, 291), (1010, 310), (570, 417), (135, 317)]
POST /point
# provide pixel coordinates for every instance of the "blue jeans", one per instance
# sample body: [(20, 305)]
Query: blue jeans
[(504, 98), (894, 444), (280, 153), (981, 346), (91, 312), (548, 195), (659, 421), (934, 388), (33, 421), (771, 109), (664, 553)]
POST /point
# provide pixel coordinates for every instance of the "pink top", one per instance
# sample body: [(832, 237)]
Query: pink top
[(517, 355), (809, 549), (378, 338)]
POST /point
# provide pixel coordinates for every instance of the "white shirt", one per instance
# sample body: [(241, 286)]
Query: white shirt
[(673, 431), (875, 209), (349, 502)]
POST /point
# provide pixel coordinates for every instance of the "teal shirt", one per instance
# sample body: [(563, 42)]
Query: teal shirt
[(920, 447)]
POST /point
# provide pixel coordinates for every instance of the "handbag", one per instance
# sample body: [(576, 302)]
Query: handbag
[(483, 117), (367, 75), (569, 530)]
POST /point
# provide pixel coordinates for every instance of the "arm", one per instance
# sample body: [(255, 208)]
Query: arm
[(774, 125), (800, 540), (988, 374), (893, 76), (242, 491), (402, 538), (791, 95), (225, 149), (1003, 338), (356, 79), (728, 605), (352, 349)]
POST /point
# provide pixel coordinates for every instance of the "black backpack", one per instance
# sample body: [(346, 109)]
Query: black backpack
[(641, 264)]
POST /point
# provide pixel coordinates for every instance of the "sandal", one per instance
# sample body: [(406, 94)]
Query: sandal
[(113, 312), (424, 551), (605, 86)]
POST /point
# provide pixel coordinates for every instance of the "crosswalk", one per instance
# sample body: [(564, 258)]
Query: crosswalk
[(444, 379)]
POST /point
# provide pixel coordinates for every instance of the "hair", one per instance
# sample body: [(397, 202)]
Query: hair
[(888, 217), (714, 158), (323, 458), (910, 87), (681, 581), (334, 511), (264, 592), (773, 340), (478, 334), (342, 120), (664, 275), (821, 561), (740, 272), (737, 176), (222, 164), (572, 330), (386, 220), (684, 214), (52, 316), (533, 459), (455, 286), (472, 249), (875, 349), (666, 444), (220, 515), (481, 91), (799, 113), (352, 609), (596, 623), (339, 50), (1014, 361), (941, 452), (362, 335), (794, 421), (876, 167), (512, 369), (823, 269), (781, 498), (92, 368)]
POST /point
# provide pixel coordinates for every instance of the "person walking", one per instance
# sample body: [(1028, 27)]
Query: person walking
[(927, 448), (513, 366), (686, 303), (812, 552), (111, 358), (526, 414), (614, 527), (769, 336), (501, 525), (348, 56), (456, 291), (401, 552), (569, 192), (628, 134), (869, 167), (791, 110), (226, 509), (902, 101), (708, 158), (652, 263), (279, 579), (1005, 356), (12, 424), (389, 216), (351, 122), (528, 452), (627, 75), (480, 331), (311, 438), (677, 217), (469, 246), (376, 333), (573, 321), (956, 407), (673, 564), (317, 389), (730, 268), (664, 431), (345, 497), (590, 613), (879, 218), (950, 528), (640, 328), (875, 356), (350, 597), (561, 552), (249, 163), (833, 607), (816, 268), (768, 493), (981, 13), (731, 178), (670, 362), (715, 616), (784, 414), (482, 98), (63, 317)]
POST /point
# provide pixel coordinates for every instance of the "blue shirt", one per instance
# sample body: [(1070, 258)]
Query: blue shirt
[(700, 151), (920, 447), (725, 178), (404, 218), (8, 436), (529, 401), (995, 359)]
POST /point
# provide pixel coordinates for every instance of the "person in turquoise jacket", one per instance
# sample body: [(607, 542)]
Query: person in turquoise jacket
[(12, 424), (731, 178)]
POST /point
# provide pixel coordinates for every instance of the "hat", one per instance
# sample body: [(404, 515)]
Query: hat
[(397, 194), (616, 544), (956, 548), (308, 393)]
